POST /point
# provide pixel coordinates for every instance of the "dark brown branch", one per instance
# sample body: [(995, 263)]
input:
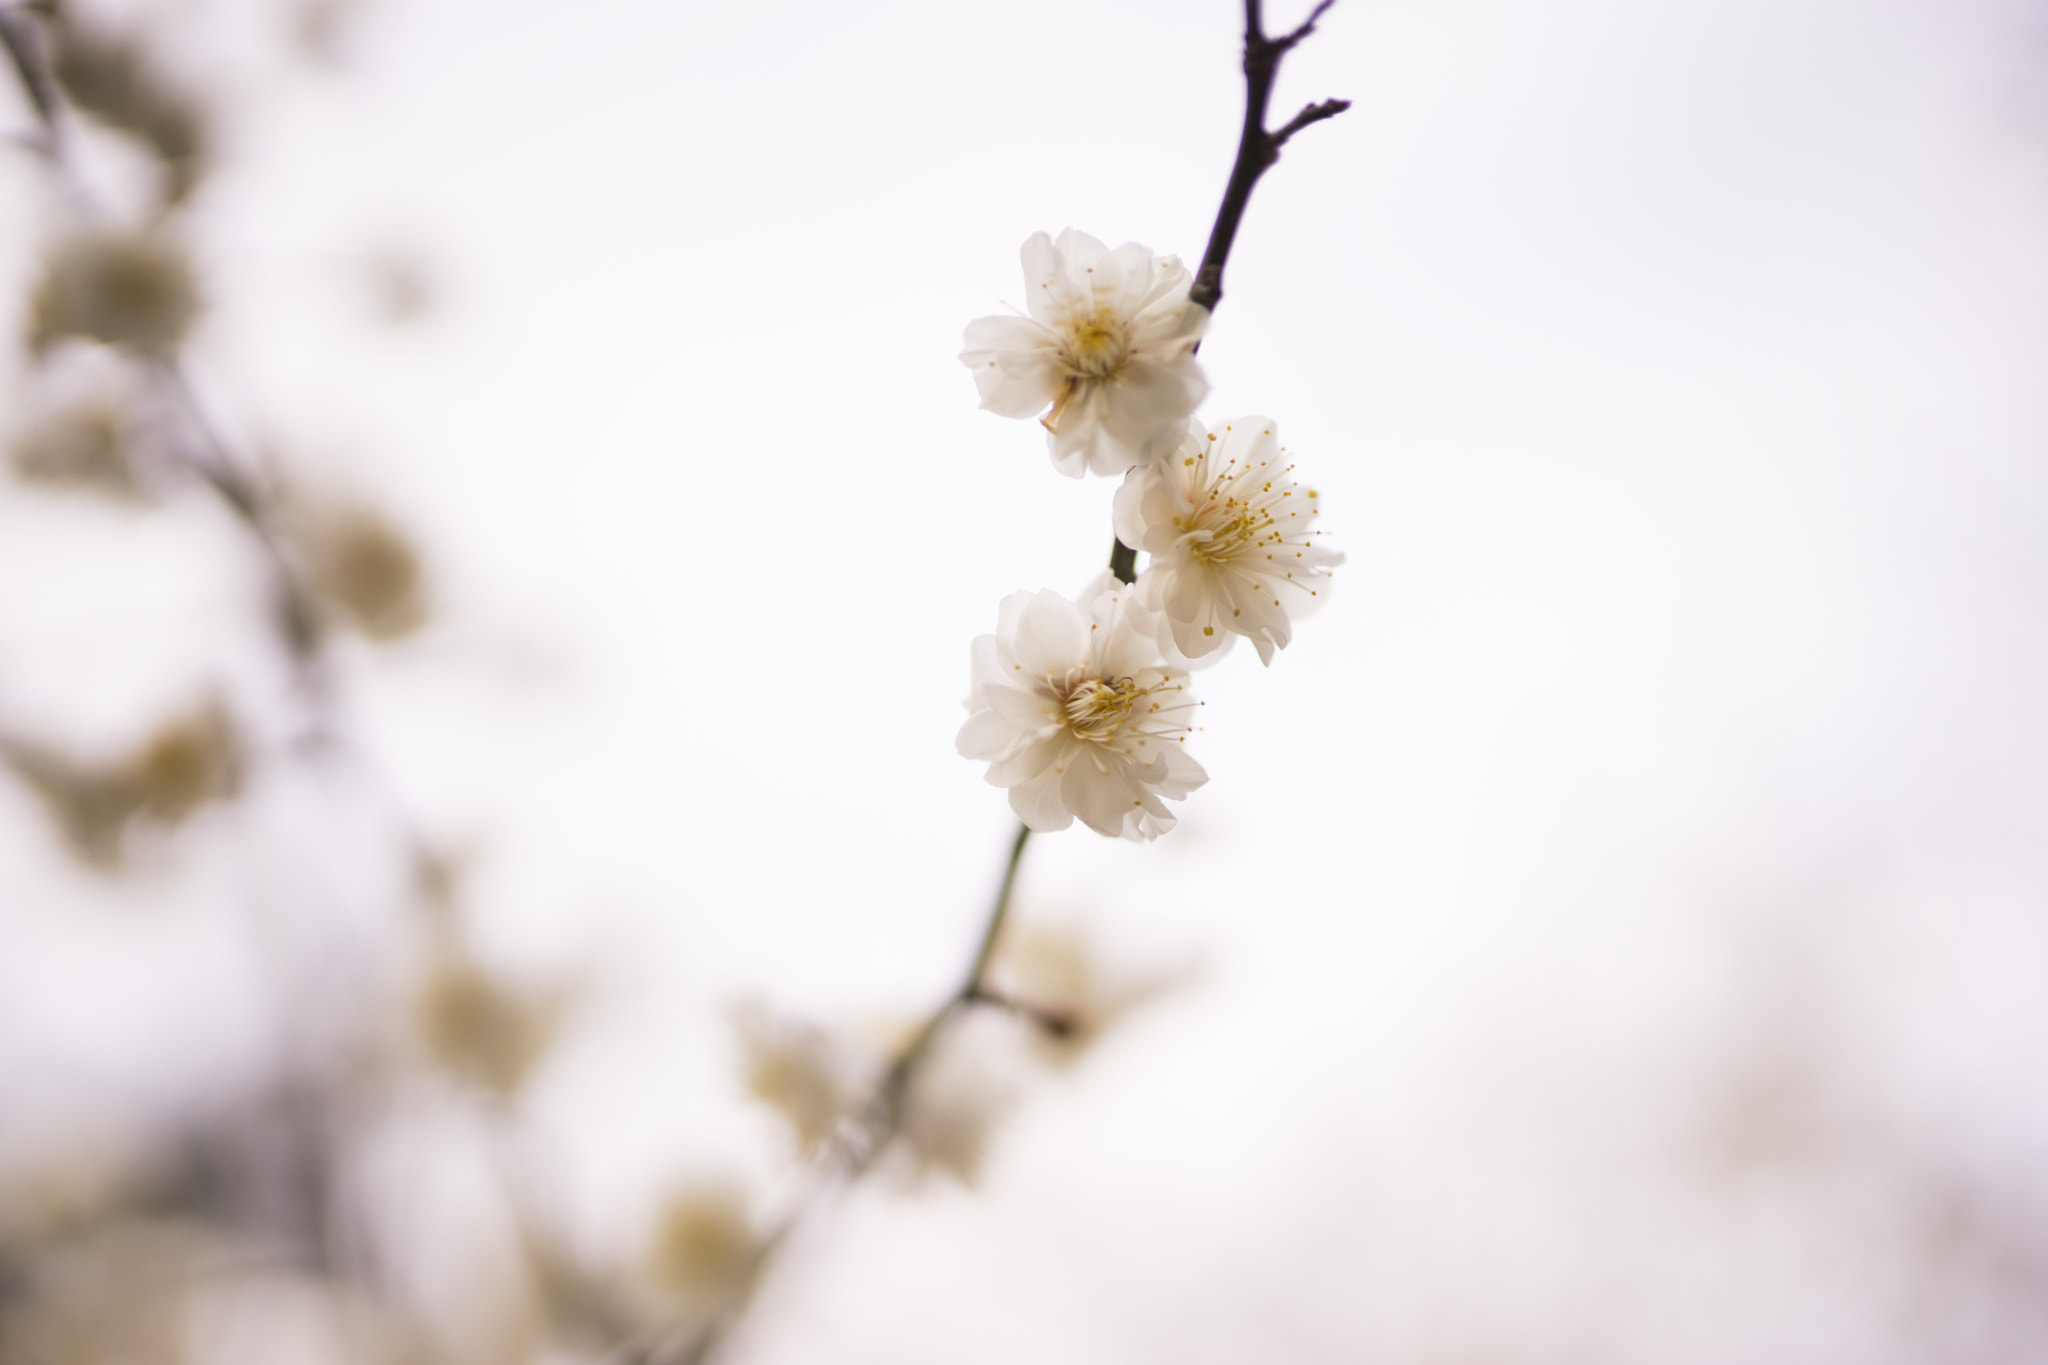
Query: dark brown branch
[(1258, 147), (1314, 113), (1306, 27), (1123, 562)]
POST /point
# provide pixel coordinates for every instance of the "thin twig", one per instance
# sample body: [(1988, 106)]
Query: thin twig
[(300, 616), (1314, 113), (861, 1140), (1258, 147), (896, 1084), (1052, 1021), (208, 457)]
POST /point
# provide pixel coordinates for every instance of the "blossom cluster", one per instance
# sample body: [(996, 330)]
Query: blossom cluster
[(1081, 707)]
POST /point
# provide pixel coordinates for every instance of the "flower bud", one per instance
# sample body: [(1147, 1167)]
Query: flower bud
[(704, 1248)]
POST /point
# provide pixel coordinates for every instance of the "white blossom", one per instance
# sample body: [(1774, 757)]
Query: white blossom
[(705, 1244), (1231, 536), (1107, 353), (959, 1095), (133, 289), (1077, 713), (810, 1076)]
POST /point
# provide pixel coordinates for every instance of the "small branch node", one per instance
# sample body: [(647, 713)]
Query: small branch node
[(1051, 1020), (1307, 26), (1314, 113)]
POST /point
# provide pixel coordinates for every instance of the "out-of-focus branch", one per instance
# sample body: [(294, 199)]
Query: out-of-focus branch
[(300, 616), (23, 39), (885, 1116), (196, 759), (862, 1137), (1053, 1022), (1258, 147), (208, 457)]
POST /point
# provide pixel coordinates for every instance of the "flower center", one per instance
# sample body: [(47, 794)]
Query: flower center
[(1097, 710), (1097, 347), (1232, 526)]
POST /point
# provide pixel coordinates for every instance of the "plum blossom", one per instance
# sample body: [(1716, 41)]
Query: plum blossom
[(1074, 984), (1078, 714), (133, 289), (968, 1084), (810, 1076), (1231, 537), (1107, 353)]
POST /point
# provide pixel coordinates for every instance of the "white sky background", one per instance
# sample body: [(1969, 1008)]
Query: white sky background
[(1673, 374)]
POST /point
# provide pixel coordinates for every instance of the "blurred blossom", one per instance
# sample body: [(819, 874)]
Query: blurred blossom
[(964, 1088), (274, 1314), (132, 289), (92, 808), (83, 447), (808, 1076), (1058, 976), (574, 1301), (63, 1193), (115, 1295), (85, 422), (192, 760), (481, 1029), (189, 762), (704, 1246), (112, 76), (367, 568)]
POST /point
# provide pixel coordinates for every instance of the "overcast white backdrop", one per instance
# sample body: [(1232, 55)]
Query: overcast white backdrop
[(1673, 374)]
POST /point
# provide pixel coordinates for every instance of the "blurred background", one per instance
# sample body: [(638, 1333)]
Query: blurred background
[(495, 528)]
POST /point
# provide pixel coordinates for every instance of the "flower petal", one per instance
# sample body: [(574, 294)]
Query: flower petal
[(1052, 637), (1095, 788), (1153, 396), (1037, 803), (986, 735), (1042, 275), (1027, 762), (1015, 363)]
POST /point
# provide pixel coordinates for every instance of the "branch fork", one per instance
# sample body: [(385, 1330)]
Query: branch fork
[(1258, 146)]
